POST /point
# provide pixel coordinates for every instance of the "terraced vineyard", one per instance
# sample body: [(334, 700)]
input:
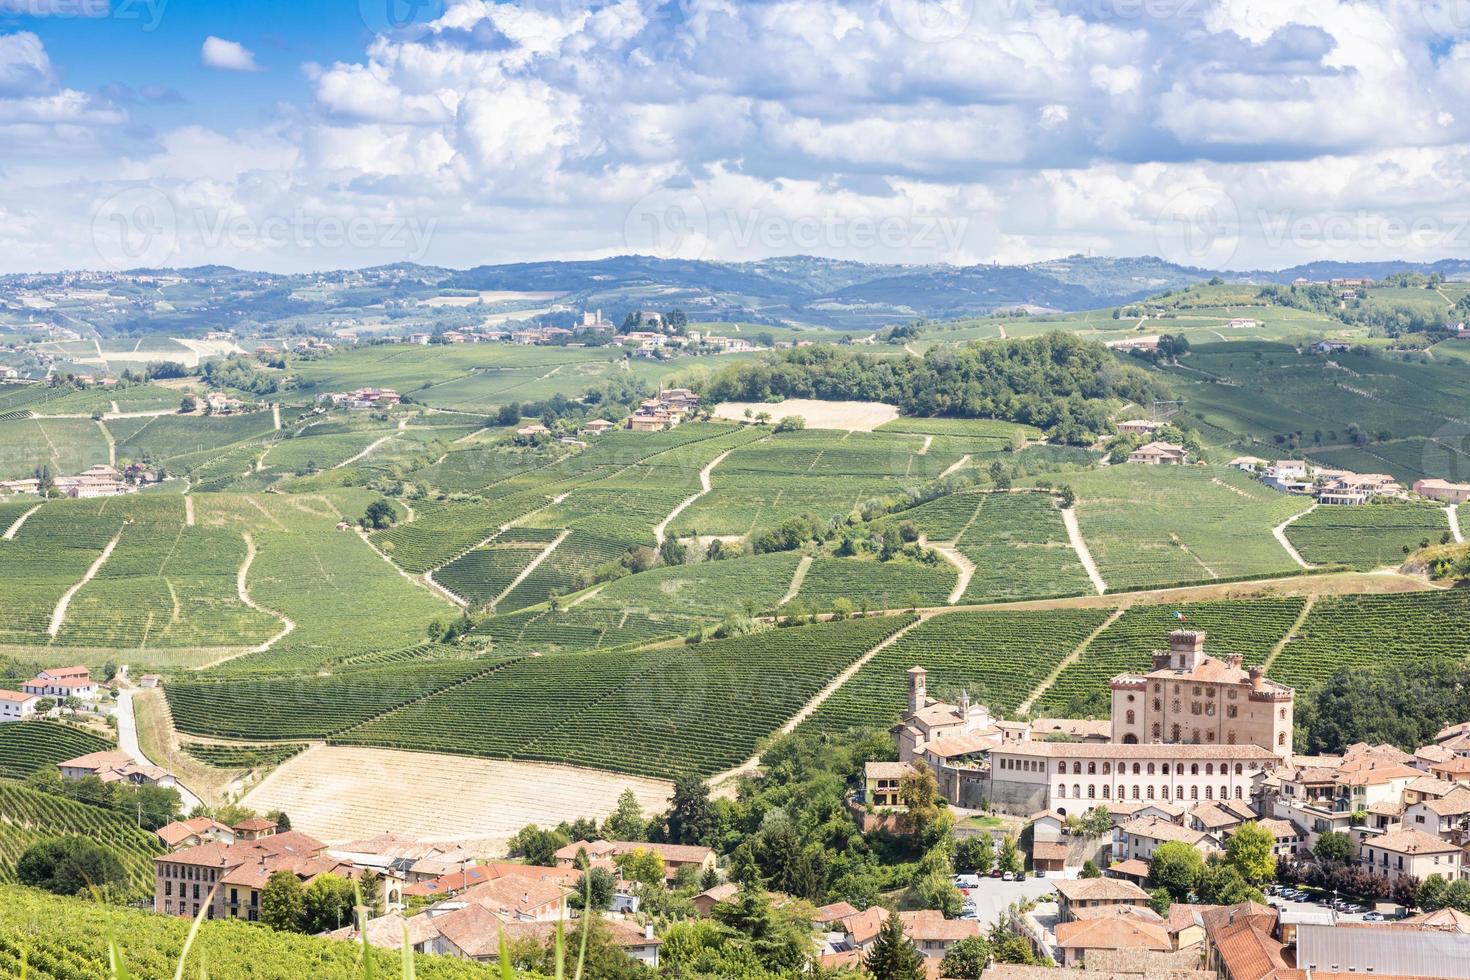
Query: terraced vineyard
[(816, 472), (999, 657), (26, 746), (580, 628), (67, 939), (66, 445), (708, 590), (310, 707), (242, 756), (50, 554), (957, 437), (1366, 536), (479, 576), (878, 584), (1381, 632), (1020, 549), (182, 442), (1250, 627), (1158, 525), (660, 712), (167, 586), (944, 518), (28, 817)]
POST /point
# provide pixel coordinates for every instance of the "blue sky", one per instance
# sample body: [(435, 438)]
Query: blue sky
[(296, 136)]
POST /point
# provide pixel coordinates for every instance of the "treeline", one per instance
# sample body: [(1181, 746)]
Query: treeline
[(1056, 382), (1406, 708)]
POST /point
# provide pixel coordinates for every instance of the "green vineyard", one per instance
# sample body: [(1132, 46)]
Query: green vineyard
[(1384, 632), (999, 657), (1366, 536), (28, 816), (26, 746), (658, 712), (1249, 627), (242, 756), (67, 939)]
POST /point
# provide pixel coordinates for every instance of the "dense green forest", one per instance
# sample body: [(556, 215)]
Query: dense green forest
[(1056, 382)]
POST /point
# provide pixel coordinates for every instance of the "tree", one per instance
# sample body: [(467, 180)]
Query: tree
[(918, 791), (781, 942), (643, 865), (1000, 477), (966, 959), (1096, 823), (671, 552), (72, 866), (602, 887), (1089, 870), (893, 955), (45, 482), (1221, 883), (537, 846), (379, 514), (974, 854), (1334, 845), (1159, 901), (1009, 856), (1249, 850), (188, 405), (45, 705), (1175, 867), (326, 903), (151, 806), (626, 821), (282, 903), (1434, 893), (690, 817)]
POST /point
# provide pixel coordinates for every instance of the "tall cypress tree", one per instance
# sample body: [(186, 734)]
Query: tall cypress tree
[(894, 956)]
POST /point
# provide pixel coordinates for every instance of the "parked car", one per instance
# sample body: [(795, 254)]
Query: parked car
[(1039, 873), (1007, 876), (995, 873), (1372, 916)]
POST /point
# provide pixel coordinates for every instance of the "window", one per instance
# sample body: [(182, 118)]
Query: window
[(1135, 792), (1135, 769), (1106, 790), (1076, 768), (1209, 736), (1150, 792), (1209, 768), (1237, 792), (1158, 732), (1238, 769), (1194, 792), (1061, 767), (1158, 704), (168, 886), (1150, 768), (1231, 711), (1209, 792), (1076, 791), (1194, 769), (1061, 791), (1092, 769), (1283, 714), (1196, 690), (1107, 768), (1130, 716), (1281, 738), (1091, 791)]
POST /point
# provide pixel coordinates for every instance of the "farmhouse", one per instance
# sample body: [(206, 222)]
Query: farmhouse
[(933, 934), (1160, 454), (1450, 493), (227, 879), (597, 427), (675, 856), (192, 833), (1139, 427), (63, 682), (114, 766), (16, 705)]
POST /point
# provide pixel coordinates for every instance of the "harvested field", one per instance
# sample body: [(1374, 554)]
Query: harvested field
[(339, 793), (853, 416)]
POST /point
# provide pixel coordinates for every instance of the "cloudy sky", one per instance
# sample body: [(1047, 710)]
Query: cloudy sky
[(294, 136)]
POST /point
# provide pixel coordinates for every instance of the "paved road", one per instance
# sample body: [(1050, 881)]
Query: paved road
[(127, 741)]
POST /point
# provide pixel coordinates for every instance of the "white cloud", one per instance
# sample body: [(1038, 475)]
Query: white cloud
[(24, 66), (227, 55)]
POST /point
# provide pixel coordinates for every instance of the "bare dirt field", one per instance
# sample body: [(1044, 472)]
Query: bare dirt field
[(852, 416), (339, 793)]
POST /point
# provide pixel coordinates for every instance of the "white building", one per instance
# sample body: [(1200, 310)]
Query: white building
[(16, 706)]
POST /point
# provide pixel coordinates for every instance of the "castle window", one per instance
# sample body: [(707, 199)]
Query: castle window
[(1195, 707), (1210, 736), (1281, 738), (1158, 704), (1150, 768), (1091, 791), (1209, 768), (1209, 707), (1164, 769), (1135, 769), (1237, 792), (1175, 732), (1230, 694), (1092, 769), (1175, 705), (1209, 792), (1194, 792), (1283, 714), (1158, 731), (1061, 791), (1195, 739), (1130, 739), (1076, 768), (1130, 716), (1061, 767), (1150, 793), (1194, 769), (1135, 792), (1231, 711), (1076, 790), (1230, 737), (1224, 792), (1164, 792), (1237, 769), (1196, 690), (1107, 768), (1106, 790)]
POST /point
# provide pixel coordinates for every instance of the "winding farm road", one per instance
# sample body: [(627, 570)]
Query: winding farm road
[(1280, 531), (127, 741), (1079, 545), (705, 486), (9, 534), (962, 564), (288, 624), (1453, 513), (58, 615)]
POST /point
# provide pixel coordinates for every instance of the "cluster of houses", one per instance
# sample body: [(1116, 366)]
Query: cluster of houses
[(1194, 748), (100, 480), (362, 398), (1157, 452), (56, 683), (1328, 485), (664, 411)]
